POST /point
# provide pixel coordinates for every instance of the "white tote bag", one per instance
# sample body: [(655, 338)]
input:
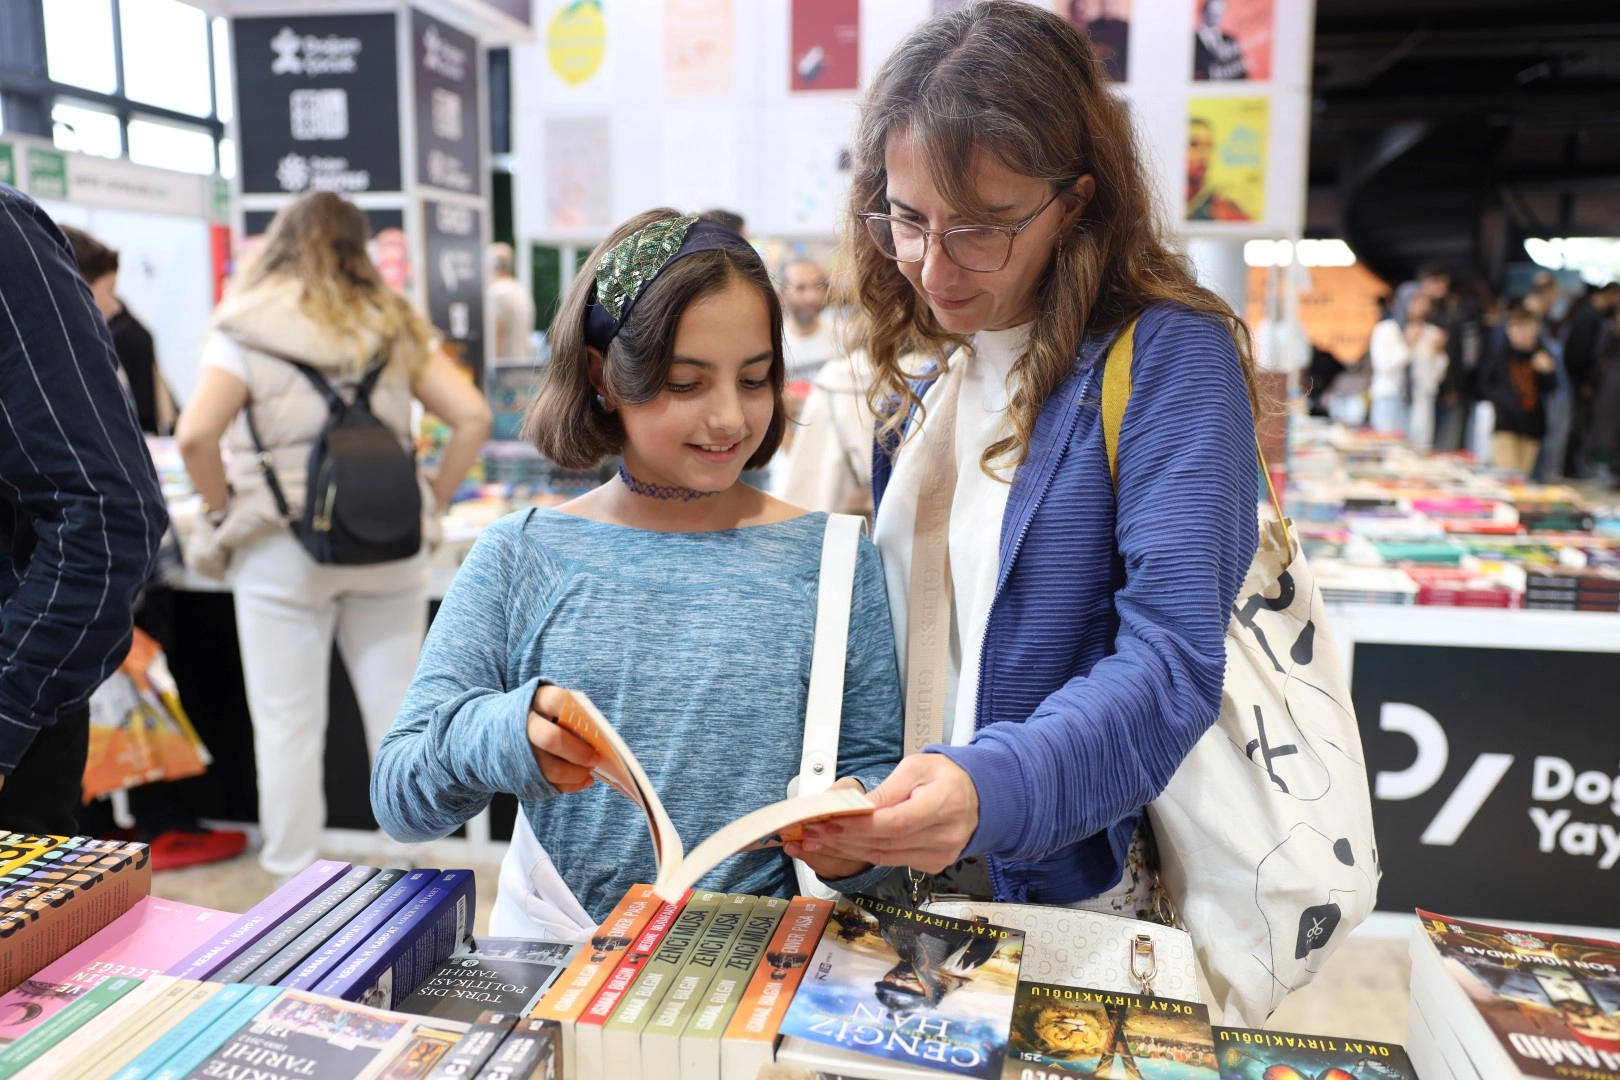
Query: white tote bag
[(1265, 833), (533, 900)]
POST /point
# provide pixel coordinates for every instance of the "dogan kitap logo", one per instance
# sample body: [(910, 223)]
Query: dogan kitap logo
[(1553, 780)]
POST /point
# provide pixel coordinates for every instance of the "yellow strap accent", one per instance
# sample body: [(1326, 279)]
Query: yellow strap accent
[(1116, 393)]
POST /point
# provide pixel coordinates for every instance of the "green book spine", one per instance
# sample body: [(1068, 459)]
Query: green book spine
[(621, 1035), (109, 1040), (700, 1042), (661, 1038), (25, 1050), (141, 1034)]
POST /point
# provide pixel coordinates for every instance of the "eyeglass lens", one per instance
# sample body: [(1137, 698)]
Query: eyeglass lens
[(972, 249)]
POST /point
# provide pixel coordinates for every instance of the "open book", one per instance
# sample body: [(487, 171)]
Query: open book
[(769, 826)]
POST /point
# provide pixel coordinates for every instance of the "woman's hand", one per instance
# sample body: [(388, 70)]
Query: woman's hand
[(565, 759), (928, 810), (830, 867)]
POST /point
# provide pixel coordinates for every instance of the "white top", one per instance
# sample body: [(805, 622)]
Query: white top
[(977, 507), (1391, 355), (806, 353), (514, 319)]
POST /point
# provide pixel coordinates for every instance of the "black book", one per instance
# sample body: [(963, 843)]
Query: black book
[(533, 1049), (476, 1047), (298, 950), (290, 928)]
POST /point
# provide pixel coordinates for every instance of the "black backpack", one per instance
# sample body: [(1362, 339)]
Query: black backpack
[(362, 502)]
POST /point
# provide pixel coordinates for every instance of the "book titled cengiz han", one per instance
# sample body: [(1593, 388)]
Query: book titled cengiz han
[(891, 982)]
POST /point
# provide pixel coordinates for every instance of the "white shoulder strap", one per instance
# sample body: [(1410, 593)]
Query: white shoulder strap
[(834, 599)]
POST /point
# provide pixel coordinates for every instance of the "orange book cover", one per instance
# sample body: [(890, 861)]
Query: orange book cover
[(750, 1037), (578, 986)]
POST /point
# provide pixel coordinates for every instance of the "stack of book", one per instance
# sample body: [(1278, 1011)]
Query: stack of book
[(56, 891), (1498, 1002)]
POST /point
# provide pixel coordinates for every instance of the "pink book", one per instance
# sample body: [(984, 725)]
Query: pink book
[(144, 941)]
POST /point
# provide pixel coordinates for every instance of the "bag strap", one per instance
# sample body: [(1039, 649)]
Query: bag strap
[(928, 618), (1116, 395), (835, 592), (266, 466)]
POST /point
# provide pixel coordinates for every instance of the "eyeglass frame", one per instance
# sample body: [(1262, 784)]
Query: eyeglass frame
[(1010, 231)]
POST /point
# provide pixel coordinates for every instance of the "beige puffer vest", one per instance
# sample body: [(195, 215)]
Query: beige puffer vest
[(268, 323)]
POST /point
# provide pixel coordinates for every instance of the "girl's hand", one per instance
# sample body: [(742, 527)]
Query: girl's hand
[(928, 810), (830, 867), (565, 759)]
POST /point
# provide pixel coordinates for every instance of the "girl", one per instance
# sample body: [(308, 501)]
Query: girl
[(311, 293), (680, 600), (1001, 205)]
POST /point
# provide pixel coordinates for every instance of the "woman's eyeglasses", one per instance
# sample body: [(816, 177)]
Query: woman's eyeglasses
[(982, 249)]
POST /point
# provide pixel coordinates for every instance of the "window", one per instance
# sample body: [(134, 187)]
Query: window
[(79, 44), (224, 103), (86, 129), (171, 146), (166, 55)]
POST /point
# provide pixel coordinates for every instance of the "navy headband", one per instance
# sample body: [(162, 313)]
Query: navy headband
[(634, 262)]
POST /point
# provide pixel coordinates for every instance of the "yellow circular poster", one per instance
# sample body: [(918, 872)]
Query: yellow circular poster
[(576, 40)]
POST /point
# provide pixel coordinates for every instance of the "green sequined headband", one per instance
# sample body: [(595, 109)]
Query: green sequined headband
[(630, 266)]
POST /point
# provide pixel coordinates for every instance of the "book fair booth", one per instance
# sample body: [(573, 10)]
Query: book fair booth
[(1476, 614)]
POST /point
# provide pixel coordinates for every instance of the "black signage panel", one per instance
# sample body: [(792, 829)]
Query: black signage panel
[(317, 100), (455, 283), (445, 65), (1496, 779)]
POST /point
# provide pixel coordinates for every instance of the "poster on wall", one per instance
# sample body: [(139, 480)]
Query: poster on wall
[(453, 244), (1232, 39), (576, 40), (1481, 800), (697, 48), (816, 177), (445, 68), (1108, 24), (387, 247), (826, 48), (317, 99), (579, 172), (1226, 158)]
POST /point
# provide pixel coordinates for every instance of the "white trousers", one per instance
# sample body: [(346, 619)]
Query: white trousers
[(288, 608)]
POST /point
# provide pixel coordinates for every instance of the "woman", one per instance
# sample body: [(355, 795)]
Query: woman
[(310, 293), (1006, 211)]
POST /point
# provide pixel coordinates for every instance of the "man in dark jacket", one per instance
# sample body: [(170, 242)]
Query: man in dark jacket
[(81, 516), (1584, 336)]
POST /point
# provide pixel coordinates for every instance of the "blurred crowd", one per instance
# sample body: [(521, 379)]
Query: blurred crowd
[(1529, 382)]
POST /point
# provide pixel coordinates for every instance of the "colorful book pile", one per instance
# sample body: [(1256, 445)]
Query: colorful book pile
[(56, 891), (167, 1028), (1496, 1002), (1363, 504), (300, 986)]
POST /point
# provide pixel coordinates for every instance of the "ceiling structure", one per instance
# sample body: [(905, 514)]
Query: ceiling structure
[(1448, 131)]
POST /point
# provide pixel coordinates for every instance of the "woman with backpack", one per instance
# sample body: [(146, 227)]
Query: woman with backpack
[(322, 521), (1080, 629)]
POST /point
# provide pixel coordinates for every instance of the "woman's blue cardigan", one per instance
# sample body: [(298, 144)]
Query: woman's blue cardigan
[(1104, 654)]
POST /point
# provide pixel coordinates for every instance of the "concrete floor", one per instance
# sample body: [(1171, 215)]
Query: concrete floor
[(1361, 992)]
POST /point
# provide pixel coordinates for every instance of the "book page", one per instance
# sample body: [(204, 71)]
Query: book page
[(619, 770), (769, 826)]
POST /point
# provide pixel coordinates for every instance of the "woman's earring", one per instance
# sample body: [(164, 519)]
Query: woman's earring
[(601, 403)]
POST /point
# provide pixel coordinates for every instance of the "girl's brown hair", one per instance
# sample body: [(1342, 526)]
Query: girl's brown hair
[(319, 240), (565, 422), (1020, 84)]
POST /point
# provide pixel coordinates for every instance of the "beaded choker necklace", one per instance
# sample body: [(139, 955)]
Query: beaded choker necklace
[(660, 491)]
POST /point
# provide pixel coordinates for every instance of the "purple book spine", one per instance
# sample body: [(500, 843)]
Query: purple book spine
[(443, 910), (263, 918), (357, 933)]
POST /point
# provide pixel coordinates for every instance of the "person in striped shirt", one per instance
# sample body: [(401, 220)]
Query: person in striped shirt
[(81, 516)]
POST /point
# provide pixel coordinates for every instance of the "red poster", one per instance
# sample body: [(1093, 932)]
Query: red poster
[(1232, 39), (826, 49)]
